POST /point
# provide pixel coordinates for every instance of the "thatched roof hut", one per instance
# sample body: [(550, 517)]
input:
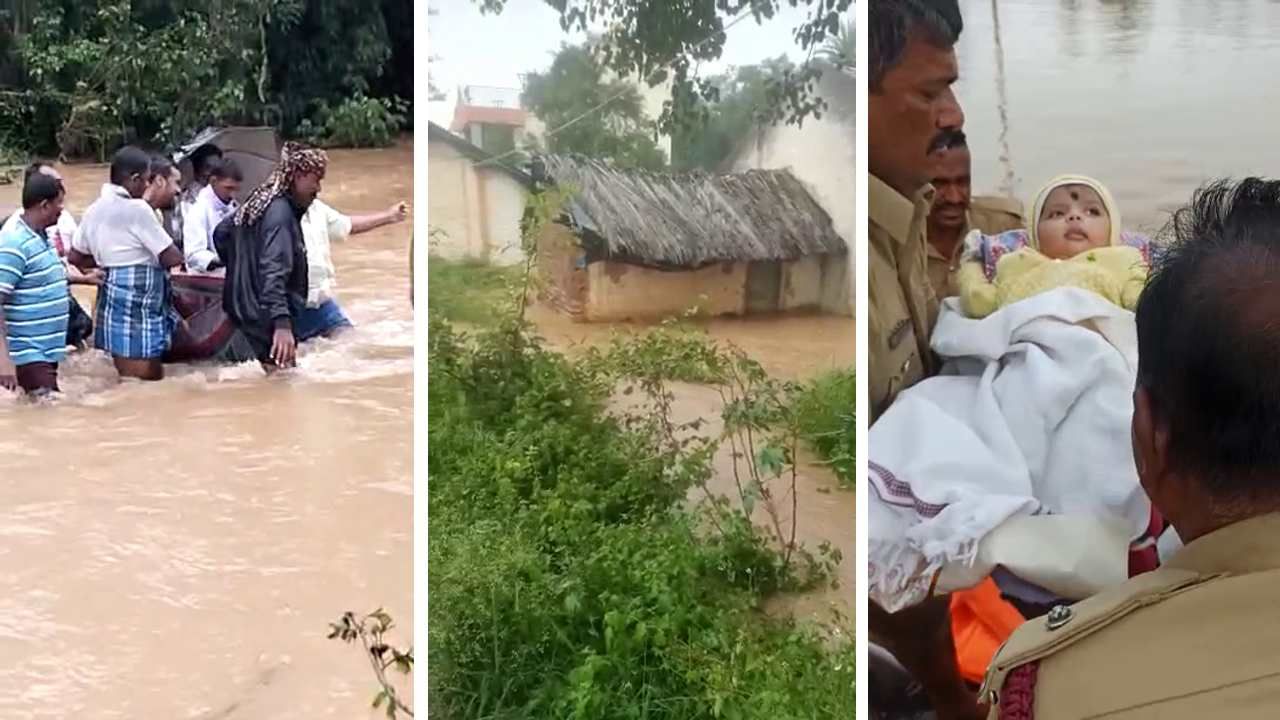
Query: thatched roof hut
[(691, 219)]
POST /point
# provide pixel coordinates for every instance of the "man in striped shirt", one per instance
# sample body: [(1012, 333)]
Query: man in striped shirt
[(33, 293)]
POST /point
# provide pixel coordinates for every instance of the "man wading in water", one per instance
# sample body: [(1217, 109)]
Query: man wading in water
[(266, 258)]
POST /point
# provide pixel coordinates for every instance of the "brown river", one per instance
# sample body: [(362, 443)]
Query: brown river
[(176, 550), (1152, 97)]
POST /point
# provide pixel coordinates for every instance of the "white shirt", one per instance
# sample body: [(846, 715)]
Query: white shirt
[(118, 231), (320, 225), (198, 223), (59, 234)]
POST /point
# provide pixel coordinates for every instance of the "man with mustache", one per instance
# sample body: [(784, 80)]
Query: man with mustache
[(955, 212), (910, 105)]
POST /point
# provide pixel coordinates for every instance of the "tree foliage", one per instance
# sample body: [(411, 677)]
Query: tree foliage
[(89, 75), (660, 40), (740, 101), (607, 115)]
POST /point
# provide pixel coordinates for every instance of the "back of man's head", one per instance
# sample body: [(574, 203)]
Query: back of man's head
[(891, 22), (225, 169), (36, 166), (129, 161), (1209, 339), (159, 166), (40, 188)]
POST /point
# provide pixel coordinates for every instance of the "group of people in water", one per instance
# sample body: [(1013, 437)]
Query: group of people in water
[(272, 254)]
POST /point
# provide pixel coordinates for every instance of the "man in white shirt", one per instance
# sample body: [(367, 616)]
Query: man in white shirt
[(322, 225), (202, 160), (119, 233), (213, 203)]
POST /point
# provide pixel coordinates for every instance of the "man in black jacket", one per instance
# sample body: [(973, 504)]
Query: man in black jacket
[(266, 258)]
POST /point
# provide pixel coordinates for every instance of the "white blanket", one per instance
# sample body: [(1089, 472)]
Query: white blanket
[(1017, 455)]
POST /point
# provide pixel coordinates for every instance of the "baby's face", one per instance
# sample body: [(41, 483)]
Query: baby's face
[(1073, 220)]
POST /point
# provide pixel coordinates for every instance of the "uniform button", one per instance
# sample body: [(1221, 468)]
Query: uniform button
[(993, 698), (906, 365), (1060, 615)]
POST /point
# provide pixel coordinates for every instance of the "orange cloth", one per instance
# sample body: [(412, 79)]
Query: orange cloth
[(981, 621)]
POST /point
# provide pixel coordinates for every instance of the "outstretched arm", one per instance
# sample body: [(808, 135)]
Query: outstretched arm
[(364, 223)]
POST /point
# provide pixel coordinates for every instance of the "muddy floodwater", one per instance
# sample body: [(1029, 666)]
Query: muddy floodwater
[(1152, 97), (176, 550), (793, 347)]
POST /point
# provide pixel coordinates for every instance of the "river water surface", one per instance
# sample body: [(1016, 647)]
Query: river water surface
[(176, 550), (1152, 97)]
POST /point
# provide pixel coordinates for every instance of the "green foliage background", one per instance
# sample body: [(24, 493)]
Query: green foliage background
[(81, 77)]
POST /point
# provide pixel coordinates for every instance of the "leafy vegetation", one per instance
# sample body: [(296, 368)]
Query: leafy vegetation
[(825, 412), (570, 574), (84, 76), (737, 102), (667, 41), (611, 120), (471, 292)]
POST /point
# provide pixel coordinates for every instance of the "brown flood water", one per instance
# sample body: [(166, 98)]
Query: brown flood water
[(176, 550), (792, 347)]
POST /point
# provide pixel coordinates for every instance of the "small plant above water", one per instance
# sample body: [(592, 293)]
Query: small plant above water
[(370, 632)]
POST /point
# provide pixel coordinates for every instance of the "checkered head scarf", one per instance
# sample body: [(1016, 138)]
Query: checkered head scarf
[(295, 160)]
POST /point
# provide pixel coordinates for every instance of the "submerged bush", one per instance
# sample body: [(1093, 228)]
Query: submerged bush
[(569, 578)]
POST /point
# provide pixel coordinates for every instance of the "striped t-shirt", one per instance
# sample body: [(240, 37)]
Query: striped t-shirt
[(33, 284)]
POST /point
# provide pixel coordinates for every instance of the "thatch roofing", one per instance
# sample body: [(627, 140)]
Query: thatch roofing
[(692, 219)]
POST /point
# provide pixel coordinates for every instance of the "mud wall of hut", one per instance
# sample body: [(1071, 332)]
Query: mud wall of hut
[(618, 291), (562, 271)]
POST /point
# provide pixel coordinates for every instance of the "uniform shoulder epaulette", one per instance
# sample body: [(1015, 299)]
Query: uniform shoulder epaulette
[(998, 203), (1067, 625)]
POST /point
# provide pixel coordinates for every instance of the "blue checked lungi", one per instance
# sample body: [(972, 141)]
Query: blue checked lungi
[(134, 316)]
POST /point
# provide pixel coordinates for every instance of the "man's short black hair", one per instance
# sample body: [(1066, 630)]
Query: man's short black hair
[(159, 166), (201, 156), (1209, 337), (225, 168), (948, 140), (34, 168), (39, 188), (891, 22), (127, 162)]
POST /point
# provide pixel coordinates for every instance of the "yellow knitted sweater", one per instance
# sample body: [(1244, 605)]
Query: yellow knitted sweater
[(1117, 273)]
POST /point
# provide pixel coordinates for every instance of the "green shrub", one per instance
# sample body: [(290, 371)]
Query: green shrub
[(357, 122), (569, 578), (825, 410)]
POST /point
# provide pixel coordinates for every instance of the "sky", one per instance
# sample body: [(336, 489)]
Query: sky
[(476, 49)]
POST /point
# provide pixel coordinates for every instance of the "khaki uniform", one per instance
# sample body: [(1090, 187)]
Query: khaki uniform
[(901, 304), (1197, 638), (989, 214)]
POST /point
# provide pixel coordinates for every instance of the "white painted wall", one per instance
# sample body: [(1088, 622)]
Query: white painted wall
[(478, 210)]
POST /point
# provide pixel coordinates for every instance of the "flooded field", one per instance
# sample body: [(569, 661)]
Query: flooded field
[(795, 347), (1152, 97), (176, 550)]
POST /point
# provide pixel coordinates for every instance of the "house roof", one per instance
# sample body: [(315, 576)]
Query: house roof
[(464, 115), (436, 133), (692, 219)]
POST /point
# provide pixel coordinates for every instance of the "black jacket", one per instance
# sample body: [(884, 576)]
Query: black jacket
[(266, 266)]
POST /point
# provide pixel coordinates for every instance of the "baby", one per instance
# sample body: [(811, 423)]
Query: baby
[(1075, 241)]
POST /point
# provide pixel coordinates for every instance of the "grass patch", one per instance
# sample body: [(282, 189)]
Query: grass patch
[(825, 411), (471, 292)]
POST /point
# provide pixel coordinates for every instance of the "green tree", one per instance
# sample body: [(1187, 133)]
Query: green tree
[(839, 49), (740, 100), (660, 40), (607, 115)]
